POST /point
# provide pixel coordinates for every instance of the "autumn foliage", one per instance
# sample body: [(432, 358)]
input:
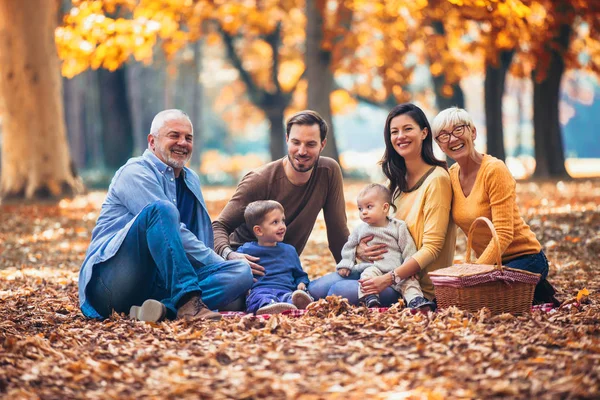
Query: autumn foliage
[(379, 43)]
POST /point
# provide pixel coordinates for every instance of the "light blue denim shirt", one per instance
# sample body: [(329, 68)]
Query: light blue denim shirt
[(140, 182)]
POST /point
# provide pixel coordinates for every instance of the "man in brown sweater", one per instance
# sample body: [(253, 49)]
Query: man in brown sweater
[(303, 182)]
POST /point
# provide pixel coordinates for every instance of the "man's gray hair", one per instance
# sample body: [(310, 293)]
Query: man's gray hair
[(167, 115), (449, 118)]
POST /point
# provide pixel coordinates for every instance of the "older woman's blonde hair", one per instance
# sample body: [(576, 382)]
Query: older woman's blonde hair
[(447, 119)]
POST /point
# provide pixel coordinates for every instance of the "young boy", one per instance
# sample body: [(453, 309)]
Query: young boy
[(283, 286), (374, 203)]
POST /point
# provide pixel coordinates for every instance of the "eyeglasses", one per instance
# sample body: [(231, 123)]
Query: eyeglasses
[(457, 132)]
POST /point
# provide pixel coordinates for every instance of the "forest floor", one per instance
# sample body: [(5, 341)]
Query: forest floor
[(49, 350)]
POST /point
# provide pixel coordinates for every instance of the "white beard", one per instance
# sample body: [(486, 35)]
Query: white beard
[(174, 163)]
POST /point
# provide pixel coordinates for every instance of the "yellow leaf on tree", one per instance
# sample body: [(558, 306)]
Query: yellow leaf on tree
[(436, 68), (289, 73), (447, 90), (341, 101)]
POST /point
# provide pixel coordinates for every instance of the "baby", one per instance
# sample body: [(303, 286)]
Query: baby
[(374, 202), (283, 286)]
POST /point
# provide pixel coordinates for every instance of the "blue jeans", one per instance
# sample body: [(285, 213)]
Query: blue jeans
[(537, 263), (152, 264), (263, 296), (334, 284)]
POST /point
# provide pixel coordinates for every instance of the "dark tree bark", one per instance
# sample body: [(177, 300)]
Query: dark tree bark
[(495, 77), (275, 116), (74, 104), (135, 94), (93, 123), (442, 101), (549, 148), (319, 74), (197, 111), (117, 132)]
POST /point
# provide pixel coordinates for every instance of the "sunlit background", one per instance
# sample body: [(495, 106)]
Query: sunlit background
[(123, 61)]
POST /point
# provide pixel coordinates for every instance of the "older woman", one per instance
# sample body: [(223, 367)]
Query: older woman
[(483, 186), (423, 195)]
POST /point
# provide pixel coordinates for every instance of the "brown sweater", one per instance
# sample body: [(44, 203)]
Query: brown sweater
[(324, 190)]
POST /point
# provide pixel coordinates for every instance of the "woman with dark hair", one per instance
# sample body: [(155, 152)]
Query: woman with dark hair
[(422, 193)]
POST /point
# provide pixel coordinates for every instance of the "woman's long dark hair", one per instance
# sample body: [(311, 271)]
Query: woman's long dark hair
[(392, 163)]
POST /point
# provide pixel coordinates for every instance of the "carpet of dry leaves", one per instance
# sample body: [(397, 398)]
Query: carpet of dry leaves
[(48, 350)]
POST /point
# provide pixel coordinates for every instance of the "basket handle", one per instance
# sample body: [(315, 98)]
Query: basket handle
[(494, 239)]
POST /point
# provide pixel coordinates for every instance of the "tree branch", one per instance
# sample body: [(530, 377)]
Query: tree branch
[(255, 93), (273, 40), (298, 81)]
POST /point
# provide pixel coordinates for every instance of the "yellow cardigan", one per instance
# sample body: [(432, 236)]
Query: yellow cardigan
[(426, 211), (493, 196)]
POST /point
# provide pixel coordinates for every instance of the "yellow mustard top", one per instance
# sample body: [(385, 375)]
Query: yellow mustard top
[(493, 196), (426, 211)]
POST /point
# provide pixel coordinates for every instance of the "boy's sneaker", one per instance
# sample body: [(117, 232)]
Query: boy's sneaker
[(150, 311), (371, 301), (195, 308), (275, 308), (422, 304), (301, 299)]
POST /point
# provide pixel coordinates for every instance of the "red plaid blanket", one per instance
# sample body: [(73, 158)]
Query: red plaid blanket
[(298, 313)]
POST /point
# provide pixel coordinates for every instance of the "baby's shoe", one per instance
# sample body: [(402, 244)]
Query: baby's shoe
[(371, 301), (420, 303), (301, 299)]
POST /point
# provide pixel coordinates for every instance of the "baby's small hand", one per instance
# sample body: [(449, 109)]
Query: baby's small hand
[(301, 286), (344, 272)]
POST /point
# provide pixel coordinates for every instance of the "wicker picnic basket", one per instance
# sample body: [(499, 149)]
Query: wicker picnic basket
[(474, 286)]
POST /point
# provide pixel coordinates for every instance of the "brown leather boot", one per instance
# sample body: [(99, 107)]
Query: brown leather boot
[(194, 307)]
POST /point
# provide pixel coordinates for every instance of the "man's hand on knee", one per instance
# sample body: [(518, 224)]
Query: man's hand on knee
[(257, 270)]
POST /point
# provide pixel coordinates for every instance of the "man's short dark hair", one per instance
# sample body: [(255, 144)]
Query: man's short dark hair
[(257, 210), (307, 117)]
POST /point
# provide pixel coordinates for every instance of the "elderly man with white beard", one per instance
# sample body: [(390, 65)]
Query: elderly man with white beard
[(151, 252)]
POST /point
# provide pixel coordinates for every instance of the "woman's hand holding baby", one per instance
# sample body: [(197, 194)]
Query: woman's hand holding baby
[(368, 253)]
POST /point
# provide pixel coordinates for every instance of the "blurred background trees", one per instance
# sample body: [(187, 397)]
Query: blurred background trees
[(526, 69)]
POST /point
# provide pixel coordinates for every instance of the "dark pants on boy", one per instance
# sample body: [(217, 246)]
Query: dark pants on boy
[(263, 296)]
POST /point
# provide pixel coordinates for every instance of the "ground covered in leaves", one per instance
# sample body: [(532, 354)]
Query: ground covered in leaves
[(48, 350)]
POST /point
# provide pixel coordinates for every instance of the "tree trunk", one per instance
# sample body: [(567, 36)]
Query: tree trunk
[(519, 148), (74, 103), (318, 72), (549, 149), (36, 163), (196, 113), (442, 101), (495, 76), (117, 132), (274, 113), (93, 122), (135, 95)]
